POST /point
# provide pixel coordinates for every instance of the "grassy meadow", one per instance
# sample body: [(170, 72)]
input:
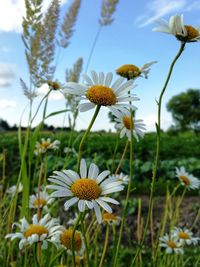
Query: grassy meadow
[(86, 198)]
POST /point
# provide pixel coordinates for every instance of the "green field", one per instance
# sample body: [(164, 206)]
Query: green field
[(180, 149)]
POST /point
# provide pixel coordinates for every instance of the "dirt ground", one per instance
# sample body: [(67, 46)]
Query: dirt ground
[(189, 213)]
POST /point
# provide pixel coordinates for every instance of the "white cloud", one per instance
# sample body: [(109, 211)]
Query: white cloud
[(4, 103), (7, 74), (151, 119), (157, 9), (11, 12), (54, 95)]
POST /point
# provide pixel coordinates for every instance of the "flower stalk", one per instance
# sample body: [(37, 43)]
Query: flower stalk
[(158, 127)]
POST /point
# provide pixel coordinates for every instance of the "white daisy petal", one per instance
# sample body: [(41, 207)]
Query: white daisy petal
[(108, 79), (93, 171), (97, 211), (86, 106), (104, 205), (110, 200), (88, 80), (101, 78), (117, 83), (62, 193), (94, 77), (81, 205), (83, 169), (89, 204), (70, 202), (102, 176)]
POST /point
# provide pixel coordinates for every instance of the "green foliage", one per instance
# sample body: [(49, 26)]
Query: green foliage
[(185, 108), (179, 150)]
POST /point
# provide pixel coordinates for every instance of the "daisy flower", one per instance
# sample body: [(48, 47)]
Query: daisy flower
[(187, 179), (43, 201), (123, 123), (88, 189), (64, 237), (171, 244), (45, 145), (121, 177), (40, 230), (54, 85), (185, 236), (176, 27), (111, 218), (99, 91), (130, 71), (14, 188)]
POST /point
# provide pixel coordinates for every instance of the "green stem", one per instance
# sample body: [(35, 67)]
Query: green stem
[(40, 105), (86, 134), (105, 246), (114, 153), (122, 158), (85, 240), (92, 49), (158, 125), (72, 240), (127, 194)]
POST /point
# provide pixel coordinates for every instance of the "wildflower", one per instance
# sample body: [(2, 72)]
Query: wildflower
[(88, 189), (185, 236), (130, 71), (54, 85), (176, 27), (171, 244), (63, 238), (111, 218), (121, 177), (187, 179), (99, 91), (14, 188), (40, 230), (45, 145), (43, 201), (123, 123)]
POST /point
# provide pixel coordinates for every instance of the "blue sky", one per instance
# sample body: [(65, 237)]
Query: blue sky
[(128, 40)]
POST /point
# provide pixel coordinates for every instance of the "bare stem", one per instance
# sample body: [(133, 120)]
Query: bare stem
[(154, 174), (127, 194), (122, 158), (105, 246), (86, 134)]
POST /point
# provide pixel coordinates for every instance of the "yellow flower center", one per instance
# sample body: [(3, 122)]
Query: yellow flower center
[(171, 244), (128, 71), (45, 145), (101, 95), (54, 85), (185, 180), (66, 239), (191, 32), (183, 235), (109, 217), (39, 202), (86, 188), (35, 229), (127, 122)]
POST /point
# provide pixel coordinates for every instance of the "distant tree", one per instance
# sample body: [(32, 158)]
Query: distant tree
[(185, 109), (4, 125)]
